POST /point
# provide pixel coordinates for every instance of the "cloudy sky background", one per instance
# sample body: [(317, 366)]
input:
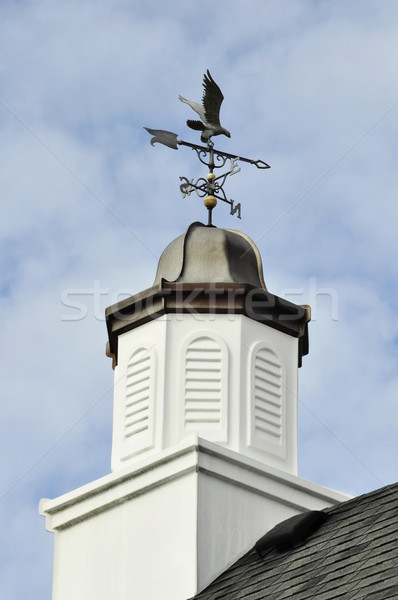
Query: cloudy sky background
[(88, 206)]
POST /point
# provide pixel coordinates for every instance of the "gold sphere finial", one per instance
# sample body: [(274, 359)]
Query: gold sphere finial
[(210, 202), (210, 176)]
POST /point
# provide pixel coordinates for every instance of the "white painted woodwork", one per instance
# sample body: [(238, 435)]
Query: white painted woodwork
[(165, 527), (225, 377)]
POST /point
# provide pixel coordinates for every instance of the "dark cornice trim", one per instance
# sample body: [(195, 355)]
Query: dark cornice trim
[(208, 298)]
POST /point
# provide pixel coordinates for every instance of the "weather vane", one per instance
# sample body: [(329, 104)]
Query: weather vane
[(211, 187)]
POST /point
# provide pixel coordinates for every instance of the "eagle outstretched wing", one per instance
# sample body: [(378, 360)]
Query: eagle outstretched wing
[(211, 100), (208, 111)]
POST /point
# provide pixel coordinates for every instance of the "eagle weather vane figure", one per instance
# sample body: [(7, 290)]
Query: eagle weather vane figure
[(211, 187), (208, 111)]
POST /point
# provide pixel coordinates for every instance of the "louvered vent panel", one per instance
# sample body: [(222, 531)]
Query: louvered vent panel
[(138, 388), (268, 397), (203, 383)]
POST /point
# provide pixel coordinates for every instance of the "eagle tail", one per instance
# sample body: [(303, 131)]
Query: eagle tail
[(197, 125)]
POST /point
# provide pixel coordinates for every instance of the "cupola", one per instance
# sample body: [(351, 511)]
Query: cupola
[(207, 350)]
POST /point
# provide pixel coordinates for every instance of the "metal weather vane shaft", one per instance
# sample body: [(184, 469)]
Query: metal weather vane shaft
[(211, 187), (170, 139)]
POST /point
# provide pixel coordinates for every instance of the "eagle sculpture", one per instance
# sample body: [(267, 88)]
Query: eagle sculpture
[(208, 111)]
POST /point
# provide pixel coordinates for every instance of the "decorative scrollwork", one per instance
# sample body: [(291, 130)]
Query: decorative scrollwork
[(221, 160), (186, 187), (212, 186), (219, 190), (202, 154)]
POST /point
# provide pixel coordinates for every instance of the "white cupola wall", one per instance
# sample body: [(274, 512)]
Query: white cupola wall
[(230, 380), (207, 350)]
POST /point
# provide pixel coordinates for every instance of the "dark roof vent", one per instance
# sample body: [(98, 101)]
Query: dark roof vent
[(287, 534)]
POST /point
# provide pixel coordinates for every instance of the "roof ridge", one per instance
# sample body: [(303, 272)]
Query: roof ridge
[(391, 487)]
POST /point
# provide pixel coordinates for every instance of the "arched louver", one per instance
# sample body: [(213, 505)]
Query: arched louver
[(138, 398), (203, 384), (267, 418)]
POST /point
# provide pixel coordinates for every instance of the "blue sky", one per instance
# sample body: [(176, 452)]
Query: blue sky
[(88, 206)]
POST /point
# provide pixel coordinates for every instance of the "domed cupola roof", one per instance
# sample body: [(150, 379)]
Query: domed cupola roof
[(208, 254), (210, 271)]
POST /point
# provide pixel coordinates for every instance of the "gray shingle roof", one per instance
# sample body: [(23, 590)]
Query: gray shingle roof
[(353, 555)]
